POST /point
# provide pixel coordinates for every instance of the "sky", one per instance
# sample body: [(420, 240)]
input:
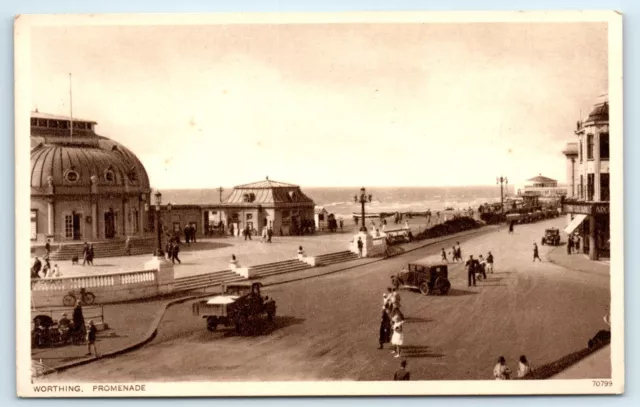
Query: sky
[(329, 105)]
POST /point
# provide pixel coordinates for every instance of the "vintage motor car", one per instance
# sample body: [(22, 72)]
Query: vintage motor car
[(429, 277), (238, 306), (551, 237)]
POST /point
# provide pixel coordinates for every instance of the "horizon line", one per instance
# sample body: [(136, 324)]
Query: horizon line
[(348, 186)]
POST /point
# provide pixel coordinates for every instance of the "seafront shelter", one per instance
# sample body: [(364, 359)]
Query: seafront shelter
[(280, 206)]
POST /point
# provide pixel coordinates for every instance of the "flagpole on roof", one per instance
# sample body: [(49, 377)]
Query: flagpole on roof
[(70, 107)]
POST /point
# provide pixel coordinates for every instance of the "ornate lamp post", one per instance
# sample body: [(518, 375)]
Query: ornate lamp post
[(363, 198), (159, 250), (500, 181)]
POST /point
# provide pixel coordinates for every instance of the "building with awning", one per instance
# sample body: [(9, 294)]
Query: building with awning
[(587, 201)]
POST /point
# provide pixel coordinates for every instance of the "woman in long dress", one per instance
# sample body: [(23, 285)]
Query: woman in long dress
[(385, 328), (397, 339)]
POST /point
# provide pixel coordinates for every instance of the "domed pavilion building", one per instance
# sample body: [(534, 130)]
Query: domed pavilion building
[(84, 187), (277, 205)]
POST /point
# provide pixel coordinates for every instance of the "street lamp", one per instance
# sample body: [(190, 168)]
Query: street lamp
[(363, 198), (502, 180), (159, 251)]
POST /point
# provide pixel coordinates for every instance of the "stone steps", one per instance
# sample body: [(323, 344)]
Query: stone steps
[(272, 269), (258, 271), (104, 249), (334, 258), (206, 280)]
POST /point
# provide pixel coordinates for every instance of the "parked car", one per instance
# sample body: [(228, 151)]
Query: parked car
[(430, 278), (239, 306), (551, 237)]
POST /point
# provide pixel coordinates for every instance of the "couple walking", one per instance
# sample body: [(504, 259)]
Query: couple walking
[(392, 321)]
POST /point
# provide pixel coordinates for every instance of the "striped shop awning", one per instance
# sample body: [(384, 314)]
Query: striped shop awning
[(575, 222)]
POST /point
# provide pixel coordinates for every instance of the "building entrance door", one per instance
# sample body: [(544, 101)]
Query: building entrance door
[(109, 225), (77, 233)]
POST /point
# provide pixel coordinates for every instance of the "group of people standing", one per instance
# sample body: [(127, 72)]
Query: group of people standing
[(267, 234), (87, 254), (501, 370), (573, 244), (190, 234), (392, 322), (172, 249), (46, 271)]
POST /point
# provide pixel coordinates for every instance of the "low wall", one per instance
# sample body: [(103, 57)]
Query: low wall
[(47, 292)]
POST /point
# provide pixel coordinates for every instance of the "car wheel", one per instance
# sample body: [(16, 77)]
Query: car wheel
[(424, 288), (212, 323)]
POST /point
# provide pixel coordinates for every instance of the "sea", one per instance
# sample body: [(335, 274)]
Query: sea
[(340, 200)]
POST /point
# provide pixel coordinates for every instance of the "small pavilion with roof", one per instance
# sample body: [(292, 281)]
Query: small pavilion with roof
[(280, 206)]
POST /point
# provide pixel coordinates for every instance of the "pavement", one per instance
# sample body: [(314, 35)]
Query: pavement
[(577, 261), (134, 323), (213, 254), (327, 327)]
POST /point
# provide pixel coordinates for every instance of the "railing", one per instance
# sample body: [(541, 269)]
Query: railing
[(109, 280)]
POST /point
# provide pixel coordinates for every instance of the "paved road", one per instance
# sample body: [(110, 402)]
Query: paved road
[(327, 327)]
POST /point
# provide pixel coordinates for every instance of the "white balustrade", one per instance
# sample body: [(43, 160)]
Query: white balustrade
[(101, 281)]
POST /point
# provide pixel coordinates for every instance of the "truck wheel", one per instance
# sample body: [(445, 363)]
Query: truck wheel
[(212, 323), (424, 288)]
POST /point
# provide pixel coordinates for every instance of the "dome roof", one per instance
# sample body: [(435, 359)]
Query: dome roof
[(73, 165), (600, 111)]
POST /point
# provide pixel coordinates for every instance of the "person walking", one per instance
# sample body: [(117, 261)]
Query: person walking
[(482, 265), (395, 300), (490, 263), (341, 224), (443, 254), (402, 373), (397, 339), (385, 328), (360, 247), (47, 246), (85, 253), (471, 272), (193, 234), (386, 299), (576, 244), (459, 251), (91, 255), (524, 368), (175, 251), (91, 339), (511, 227), (269, 235), (127, 246), (535, 252), (501, 371), (569, 245)]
